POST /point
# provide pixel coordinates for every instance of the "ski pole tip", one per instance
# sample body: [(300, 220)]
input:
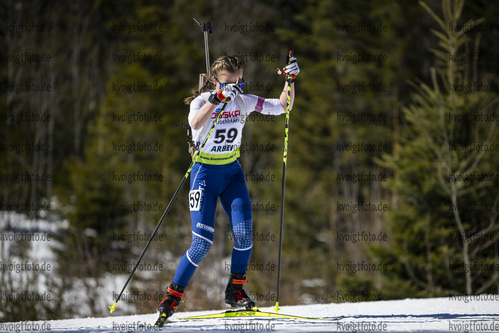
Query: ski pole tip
[(277, 307), (111, 308)]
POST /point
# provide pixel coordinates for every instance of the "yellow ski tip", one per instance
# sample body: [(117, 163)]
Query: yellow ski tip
[(277, 309), (111, 308)]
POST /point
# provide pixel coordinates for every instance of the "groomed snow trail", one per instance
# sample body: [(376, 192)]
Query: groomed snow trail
[(450, 314)]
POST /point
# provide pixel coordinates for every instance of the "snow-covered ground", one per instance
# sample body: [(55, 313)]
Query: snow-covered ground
[(450, 314)]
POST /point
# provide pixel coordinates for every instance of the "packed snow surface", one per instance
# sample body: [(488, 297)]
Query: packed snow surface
[(449, 314)]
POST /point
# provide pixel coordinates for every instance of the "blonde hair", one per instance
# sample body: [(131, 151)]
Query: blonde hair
[(227, 63)]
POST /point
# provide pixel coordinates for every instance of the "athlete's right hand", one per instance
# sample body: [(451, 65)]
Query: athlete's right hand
[(229, 92), (225, 94)]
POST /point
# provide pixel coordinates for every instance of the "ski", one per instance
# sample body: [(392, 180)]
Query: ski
[(163, 319), (257, 313), (244, 313)]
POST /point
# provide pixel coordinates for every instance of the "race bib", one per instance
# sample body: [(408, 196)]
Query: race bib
[(195, 197)]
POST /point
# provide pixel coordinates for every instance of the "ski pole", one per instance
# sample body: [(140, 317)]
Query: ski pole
[(284, 160), (194, 158)]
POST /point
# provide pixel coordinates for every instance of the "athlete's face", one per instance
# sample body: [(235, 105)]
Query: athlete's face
[(227, 77)]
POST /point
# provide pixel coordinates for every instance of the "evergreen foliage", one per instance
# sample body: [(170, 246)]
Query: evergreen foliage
[(445, 220)]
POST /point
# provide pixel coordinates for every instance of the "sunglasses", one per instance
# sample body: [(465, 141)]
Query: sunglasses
[(239, 82)]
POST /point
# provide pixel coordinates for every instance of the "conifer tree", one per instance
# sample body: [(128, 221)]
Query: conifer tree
[(445, 217)]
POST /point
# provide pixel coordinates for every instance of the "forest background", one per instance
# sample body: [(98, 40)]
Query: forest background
[(392, 179)]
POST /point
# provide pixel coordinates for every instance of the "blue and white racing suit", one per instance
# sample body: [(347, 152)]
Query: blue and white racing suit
[(218, 174)]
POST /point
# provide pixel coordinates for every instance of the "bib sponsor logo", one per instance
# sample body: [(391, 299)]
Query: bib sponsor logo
[(226, 114)]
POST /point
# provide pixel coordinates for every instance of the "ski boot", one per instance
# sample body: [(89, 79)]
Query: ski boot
[(170, 303), (235, 295)]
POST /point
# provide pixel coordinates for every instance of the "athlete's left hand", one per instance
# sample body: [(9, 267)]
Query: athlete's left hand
[(292, 69)]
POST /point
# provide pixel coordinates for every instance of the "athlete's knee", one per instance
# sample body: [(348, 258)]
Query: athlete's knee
[(199, 248), (243, 235)]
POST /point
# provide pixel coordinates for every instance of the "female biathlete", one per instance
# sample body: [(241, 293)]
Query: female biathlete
[(218, 174)]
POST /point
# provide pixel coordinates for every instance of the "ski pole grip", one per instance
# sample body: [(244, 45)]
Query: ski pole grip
[(288, 61)]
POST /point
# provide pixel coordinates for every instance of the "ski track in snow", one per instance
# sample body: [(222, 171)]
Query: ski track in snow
[(409, 315)]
